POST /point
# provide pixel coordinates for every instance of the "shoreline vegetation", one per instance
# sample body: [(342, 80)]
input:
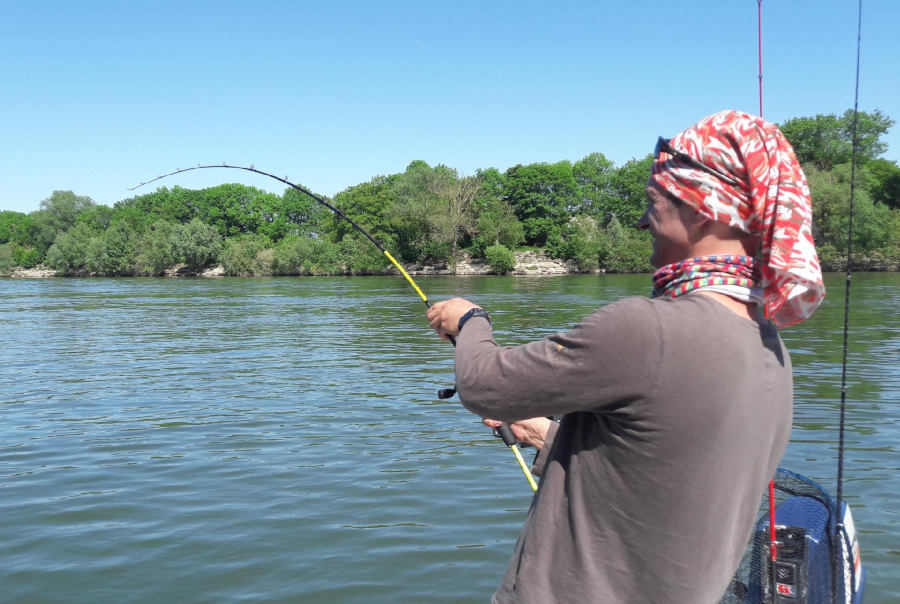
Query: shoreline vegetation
[(540, 218)]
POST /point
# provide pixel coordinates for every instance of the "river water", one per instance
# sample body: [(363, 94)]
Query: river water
[(230, 440)]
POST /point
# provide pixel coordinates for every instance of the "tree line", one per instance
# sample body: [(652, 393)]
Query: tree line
[(585, 211)]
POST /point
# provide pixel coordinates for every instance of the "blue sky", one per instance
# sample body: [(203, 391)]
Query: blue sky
[(99, 96)]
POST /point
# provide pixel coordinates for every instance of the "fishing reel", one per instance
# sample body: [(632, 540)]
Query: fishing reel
[(445, 393)]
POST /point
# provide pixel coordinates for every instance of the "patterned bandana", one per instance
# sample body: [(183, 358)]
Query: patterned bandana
[(735, 276), (766, 195)]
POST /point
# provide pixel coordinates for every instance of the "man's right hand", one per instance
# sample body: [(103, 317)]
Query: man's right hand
[(529, 431)]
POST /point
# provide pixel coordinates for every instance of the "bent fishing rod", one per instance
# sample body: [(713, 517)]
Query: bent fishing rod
[(504, 431)]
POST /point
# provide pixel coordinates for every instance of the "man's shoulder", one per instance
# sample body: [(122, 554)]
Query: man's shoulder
[(631, 314)]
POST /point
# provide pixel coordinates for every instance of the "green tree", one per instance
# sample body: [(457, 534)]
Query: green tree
[(542, 196), (296, 255), (432, 211), (196, 244), (496, 225), (63, 207), (111, 253), (6, 260), (627, 195), (592, 175), (58, 214), (827, 140), (370, 205), (885, 182), (361, 257), (583, 242), (15, 227), (69, 251), (248, 255), (17, 234), (156, 249), (831, 215)]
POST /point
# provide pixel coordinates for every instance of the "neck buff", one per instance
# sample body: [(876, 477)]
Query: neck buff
[(734, 276), (766, 195)]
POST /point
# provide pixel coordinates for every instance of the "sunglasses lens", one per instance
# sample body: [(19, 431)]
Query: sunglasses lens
[(661, 144)]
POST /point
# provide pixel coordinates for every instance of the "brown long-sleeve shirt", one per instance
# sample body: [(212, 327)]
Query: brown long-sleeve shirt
[(676, 413)]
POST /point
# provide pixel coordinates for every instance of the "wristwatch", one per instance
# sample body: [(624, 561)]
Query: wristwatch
[(475, 312)]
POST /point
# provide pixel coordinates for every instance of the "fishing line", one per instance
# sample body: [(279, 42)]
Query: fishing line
[(504, 430)]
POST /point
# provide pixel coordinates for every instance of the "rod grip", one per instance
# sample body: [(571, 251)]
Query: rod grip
[(506, 434)]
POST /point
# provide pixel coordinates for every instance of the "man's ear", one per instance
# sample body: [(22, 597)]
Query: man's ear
[(698, 225)]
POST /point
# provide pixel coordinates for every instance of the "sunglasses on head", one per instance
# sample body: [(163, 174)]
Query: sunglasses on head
[(663, 146)]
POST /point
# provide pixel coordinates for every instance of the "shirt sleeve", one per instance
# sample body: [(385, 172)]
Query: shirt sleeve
[(609, 358)]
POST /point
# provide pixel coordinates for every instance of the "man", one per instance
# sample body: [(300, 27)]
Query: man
[(676, 409)]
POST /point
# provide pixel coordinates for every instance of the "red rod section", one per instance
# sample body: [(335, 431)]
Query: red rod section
[(759, 47)]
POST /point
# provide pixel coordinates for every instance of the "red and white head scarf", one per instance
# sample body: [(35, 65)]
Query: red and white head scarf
[(769, 197)]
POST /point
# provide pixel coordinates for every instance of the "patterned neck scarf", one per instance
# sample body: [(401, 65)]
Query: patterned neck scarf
[(765, 194), (734, 276)]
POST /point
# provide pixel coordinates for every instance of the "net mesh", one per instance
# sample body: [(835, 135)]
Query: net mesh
[(804, 528)]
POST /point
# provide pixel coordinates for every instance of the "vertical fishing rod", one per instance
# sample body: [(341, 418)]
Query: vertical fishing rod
[(759, 49), (773, 535), (503, 431), (839, 523)]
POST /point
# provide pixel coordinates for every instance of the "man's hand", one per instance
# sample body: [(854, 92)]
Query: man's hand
[(444, 316), (529, 431)]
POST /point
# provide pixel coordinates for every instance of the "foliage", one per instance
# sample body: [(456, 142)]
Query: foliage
[(831, 214), (69, 252), (247, 256), (542, 196), (62, 208), (627, 196), (6, 259), (297, 255), (196, 244), (501, 259), (585, 211), (885, 182), (156, 249), (112, 252), (496, 225), (361, 257), (24, 256), (584, 240), (593, 176), (624, 250), (827, 140), (15, 227)]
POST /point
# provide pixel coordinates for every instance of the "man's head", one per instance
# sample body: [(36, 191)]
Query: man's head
[(738, 175), (680, 232)]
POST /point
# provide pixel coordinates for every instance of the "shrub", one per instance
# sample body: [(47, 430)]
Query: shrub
[(307, 256), (361, 257), (25, 256), (6, 259), (196, 244), (243, 256), (501, 259), (584, 243), (623, 250), (69, 250), (155, 249)]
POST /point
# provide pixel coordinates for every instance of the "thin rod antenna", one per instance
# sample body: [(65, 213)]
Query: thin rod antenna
[(837, 540), (759, 49)]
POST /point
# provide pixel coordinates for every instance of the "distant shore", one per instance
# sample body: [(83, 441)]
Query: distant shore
[(528, 262)]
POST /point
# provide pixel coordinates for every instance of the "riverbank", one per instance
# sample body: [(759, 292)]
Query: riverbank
[(528, 262)]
